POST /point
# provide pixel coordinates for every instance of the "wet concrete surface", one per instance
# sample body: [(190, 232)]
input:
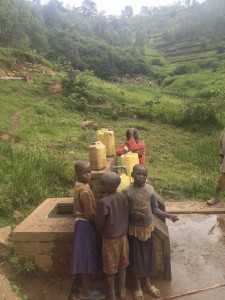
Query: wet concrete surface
[(197, 259)]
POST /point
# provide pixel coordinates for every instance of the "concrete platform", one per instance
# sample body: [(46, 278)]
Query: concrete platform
[(46, 238), (197, 244)]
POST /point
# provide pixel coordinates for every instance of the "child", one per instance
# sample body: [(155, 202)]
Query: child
[(86, 258), (133, 144), (112, 221), (142, 203)]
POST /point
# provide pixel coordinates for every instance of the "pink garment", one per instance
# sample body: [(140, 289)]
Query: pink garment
[(132, 145)]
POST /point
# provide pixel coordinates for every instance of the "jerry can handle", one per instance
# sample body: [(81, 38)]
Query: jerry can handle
[(124, 168)]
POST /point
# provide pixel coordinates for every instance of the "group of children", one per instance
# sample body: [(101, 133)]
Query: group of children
[(115, 232)]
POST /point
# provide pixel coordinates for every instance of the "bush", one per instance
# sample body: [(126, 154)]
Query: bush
[(180, 70), (21, 265), (168, 81), (157, 62), (200, 112)]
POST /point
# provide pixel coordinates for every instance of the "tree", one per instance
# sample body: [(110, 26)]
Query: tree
[(127, 12), (145, 11), (88, 8)]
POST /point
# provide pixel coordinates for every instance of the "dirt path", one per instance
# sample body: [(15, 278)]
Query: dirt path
[(14, 124)]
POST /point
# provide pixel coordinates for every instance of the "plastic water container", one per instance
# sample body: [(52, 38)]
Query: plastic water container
[(97, 156), (129, 160), (106, 136), (125, 180)]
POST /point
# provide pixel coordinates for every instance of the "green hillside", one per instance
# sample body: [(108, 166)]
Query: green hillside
[(61, 67)]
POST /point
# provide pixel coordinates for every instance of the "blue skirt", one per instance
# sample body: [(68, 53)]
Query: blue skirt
[(86, 249)]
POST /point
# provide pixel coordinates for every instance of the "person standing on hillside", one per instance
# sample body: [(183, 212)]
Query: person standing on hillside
[(133, 144), (221, 180)]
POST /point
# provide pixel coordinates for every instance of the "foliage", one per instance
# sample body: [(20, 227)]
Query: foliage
[(24, 174), (18, 292), (75, 88), (108, 45), (202, 111), (21, 265)]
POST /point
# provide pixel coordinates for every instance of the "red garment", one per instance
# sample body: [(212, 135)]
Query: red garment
[(133, 146)]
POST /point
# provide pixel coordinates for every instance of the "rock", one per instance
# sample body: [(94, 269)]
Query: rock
[(56, 88), (89, 124), (4, 237), (64, 121), (6, 292), (72, 139), (28, 79), (169, 193), (17, 214)]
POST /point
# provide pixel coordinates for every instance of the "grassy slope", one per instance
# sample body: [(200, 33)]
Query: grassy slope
[(178, 160)]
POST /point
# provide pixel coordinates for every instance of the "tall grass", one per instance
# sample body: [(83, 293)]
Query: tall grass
[(30, 176), (204, 153), (40, 164)]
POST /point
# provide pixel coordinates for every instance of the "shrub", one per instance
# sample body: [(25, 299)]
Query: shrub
[(157, 62), (21, 265), (200, 112), (180, 70)]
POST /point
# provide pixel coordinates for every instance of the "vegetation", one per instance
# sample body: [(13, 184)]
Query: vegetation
[(113, 46), (78, 64), (179, 117)]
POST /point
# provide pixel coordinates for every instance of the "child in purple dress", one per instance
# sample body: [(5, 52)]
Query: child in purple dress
[(86, 251)]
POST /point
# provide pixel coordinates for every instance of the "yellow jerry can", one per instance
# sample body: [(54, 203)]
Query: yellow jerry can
[(106, 136), (97, 155), (129, 160), (125, 180)]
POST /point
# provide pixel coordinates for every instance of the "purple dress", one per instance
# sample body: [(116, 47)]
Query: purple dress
[(86, 250), (86, 257)]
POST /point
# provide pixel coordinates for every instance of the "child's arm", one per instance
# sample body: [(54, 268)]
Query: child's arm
[(163, 214), (121, 149), (159, 213), (136, 216), (100, 216), (134, 147), (87, 203)]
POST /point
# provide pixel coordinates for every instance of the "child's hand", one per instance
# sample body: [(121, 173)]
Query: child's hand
[(173, 218), (125, 149), (137, 216)]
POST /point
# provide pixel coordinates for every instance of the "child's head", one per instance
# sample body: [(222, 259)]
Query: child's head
[(134, 131), (83, 171), (139, 175), (109, 182)]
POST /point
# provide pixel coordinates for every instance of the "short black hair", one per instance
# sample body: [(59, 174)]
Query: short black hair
[(80, 165), (111, 178), (138, 166)]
